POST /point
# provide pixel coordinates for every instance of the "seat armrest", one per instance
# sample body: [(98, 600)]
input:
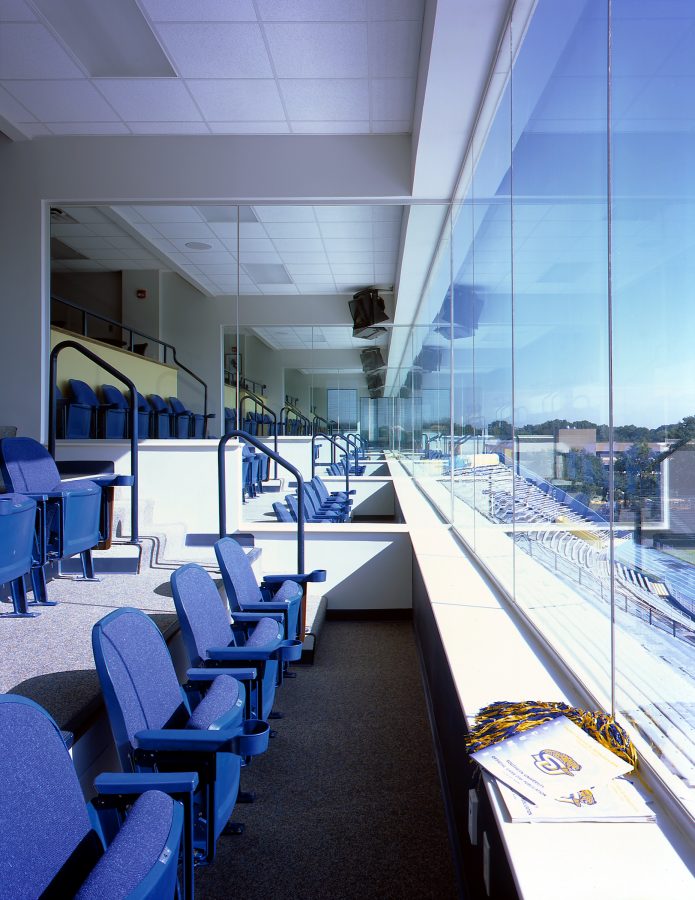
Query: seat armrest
[(112, 480), (134, 783), (201, 675), (268, 609), (255, 615), (242, 653), (186, 740), (316, 575)]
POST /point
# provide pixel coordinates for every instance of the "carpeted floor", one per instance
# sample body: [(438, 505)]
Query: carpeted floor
[(349, 803)]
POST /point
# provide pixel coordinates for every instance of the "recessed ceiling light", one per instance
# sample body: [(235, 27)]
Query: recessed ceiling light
[(198, 245)]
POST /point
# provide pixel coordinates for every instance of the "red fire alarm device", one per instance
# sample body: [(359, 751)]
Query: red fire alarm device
[(141, 294)]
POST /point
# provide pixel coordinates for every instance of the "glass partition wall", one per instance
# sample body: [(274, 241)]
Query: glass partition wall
[(535, 375)]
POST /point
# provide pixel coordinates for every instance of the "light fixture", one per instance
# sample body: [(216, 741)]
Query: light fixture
[(198, 245)]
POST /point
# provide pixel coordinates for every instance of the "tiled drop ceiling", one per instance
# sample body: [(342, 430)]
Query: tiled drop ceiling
[(282, 249), (286, 337), (237, 66)]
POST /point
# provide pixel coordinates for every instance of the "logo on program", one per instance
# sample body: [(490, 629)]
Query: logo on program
[(579, 798), (553, 762)]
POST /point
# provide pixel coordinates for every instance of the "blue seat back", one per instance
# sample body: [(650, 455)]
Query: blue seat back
[(114, 420), (162, 416), (282, 513), (240, 583), (137, 677), (203, 615), (291, 502), (44, 816), (17, 517), (144, 417), (26, 466), (113, 396), (81, 410)]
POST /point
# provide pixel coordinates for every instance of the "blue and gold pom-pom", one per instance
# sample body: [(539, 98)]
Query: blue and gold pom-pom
[(501, 720)]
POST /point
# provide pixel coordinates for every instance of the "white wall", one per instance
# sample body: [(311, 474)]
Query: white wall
[(264, 365), (210, 168), (142, 314)]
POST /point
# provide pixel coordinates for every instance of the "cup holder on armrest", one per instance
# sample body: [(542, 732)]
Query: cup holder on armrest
[(290, 650), (253, 738)]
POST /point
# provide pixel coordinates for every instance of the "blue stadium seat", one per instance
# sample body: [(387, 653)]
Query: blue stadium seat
[(182, 418), (68, 513), (277, 593), (198, 422), (116, 409), (282, 513), (229, 419), (323, 492), (105, 420), (256, 639), (78, 415), (161, 417), (145, 417), (54, 844), (17, 520), (156, 728)]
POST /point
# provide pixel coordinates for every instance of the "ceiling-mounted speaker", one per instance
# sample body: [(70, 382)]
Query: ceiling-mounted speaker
[(367, 310)]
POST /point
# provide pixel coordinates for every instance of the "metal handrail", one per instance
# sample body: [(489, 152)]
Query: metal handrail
[(297, 414), (249, 395), (132, 417), (133, 331), (353, 436), (333, 441), (326, 422), (279, 460)]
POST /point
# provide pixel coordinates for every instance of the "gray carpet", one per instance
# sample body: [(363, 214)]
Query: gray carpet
[(349, 804)]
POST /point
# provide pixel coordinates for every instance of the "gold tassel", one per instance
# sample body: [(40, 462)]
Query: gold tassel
[(501, 720)]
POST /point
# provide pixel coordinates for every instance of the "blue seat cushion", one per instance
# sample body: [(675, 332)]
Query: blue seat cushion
[(267, 631), (224, 695), (135, 850)]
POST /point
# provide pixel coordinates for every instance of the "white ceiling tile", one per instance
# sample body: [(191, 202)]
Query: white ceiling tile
[(167, 213), (230, 269), (385, 258), (125, 242), (293, 230), (344, 213), (249, 127), (316, 288), (387, 213), (200, 11), (312, 258), (390, 229), (306, 245), (15, 11), (32, 130), (96, 128), (162, 244), (252, 230), (148, 231), (388, 244), (255, 245), (62, 101), (330, 99), (31, 51), (278, 288), (349, 287), (215, 245), (285, 213), (381, 272), (238, 99), (255, 257), (357, 127), (13, 111), (394, 49), (396, 9), (395, 127), (217, 51), (393, 98), (189, 231), (149, 99), (353, 271), (112, 253), (169, 127), (308, 278), (224, 230), (318, 50), (354, 259), (346, 229), (299, 269), (87, 215), (208, 257), (312, 10), (348, 244)]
